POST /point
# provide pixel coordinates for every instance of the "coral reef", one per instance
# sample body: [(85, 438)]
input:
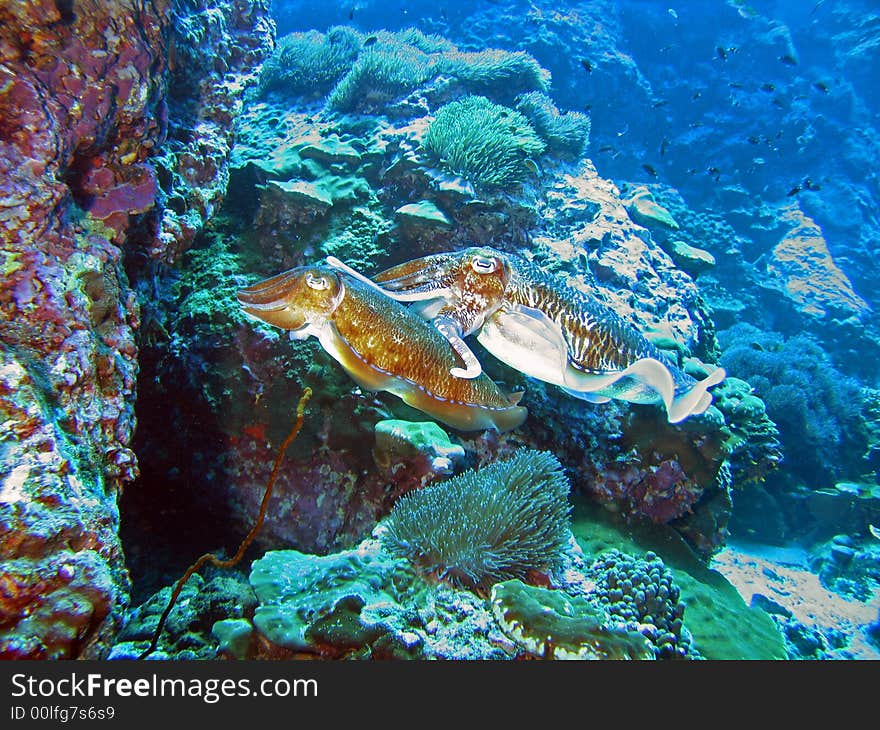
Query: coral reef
[(215, 50), (506, 520), (486, 143), (751, 438), (848, 566)]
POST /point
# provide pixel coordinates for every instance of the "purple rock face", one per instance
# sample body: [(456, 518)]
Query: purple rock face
[(82, 112)]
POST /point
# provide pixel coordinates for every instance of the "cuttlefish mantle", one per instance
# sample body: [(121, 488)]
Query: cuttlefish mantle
[(544, 328), (381, 344)]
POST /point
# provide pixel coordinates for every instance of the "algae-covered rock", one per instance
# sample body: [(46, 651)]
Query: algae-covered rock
[(233, 636), (423, 214), (690, 258), (646, 211), (398, 440), (309, 601), (189, 630), (551, 624)]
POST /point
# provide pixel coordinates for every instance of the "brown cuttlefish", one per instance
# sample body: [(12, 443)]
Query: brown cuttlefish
[(381, 344), (544, 328)]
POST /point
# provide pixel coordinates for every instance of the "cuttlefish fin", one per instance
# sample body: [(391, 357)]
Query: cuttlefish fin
[(696, 399), (588, 397), (528, 340), (335, 263)]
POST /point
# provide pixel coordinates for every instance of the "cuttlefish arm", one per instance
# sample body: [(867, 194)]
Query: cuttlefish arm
[(446, 324)]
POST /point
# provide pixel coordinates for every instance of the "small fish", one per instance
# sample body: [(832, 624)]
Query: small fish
[(588, 67), (753, 140), (777, 102), (663, 145), (821, 86), (769, 88), (532, 166), (788, 59), (795, 190), (370, 41), (713, 171), (351, 14), (697, 95), (810, 185), (664, 49), (673, 13), (722, 53), (695, 125), (623, 131), (606, 148), (735, 85), (874, 531), (660, 102), (649, 169)]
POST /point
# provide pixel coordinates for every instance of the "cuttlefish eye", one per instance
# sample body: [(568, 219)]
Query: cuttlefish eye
[(484, 265), (319, 283)]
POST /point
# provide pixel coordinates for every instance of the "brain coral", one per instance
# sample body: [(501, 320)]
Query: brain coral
[(485, 526), (484, 142)]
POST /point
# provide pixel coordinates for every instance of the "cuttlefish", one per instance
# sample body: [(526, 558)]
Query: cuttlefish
[(539, 325), (381, 344)]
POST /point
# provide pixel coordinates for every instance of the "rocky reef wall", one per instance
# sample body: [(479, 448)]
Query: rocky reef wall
[(84, 111)]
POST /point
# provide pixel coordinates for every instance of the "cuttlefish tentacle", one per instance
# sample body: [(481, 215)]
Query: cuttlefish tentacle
[(381, 344), (539, 325)]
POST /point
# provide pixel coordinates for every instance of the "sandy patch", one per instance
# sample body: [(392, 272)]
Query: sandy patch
[(799, 591)]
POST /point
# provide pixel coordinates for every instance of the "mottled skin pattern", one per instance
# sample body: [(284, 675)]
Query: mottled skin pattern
[(381, 344), (598, 339)]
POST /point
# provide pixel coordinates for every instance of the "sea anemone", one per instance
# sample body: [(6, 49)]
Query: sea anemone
[(483, 142), (488, 525)]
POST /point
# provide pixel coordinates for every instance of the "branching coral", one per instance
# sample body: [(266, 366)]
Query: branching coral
[(311, 63), (643, 591), (486, 143), (566, 135), (816, 407), (481, 527)]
